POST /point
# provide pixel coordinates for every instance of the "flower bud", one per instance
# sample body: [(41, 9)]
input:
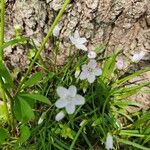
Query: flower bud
[(56, 31), (91, 54), (59, 116), (77, 72), (109, 142), (42, 118)]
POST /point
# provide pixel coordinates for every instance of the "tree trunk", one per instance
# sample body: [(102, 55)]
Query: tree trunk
[(123, 24)]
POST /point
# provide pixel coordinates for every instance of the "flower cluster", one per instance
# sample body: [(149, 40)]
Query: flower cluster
[(69, 97), (90, 70)]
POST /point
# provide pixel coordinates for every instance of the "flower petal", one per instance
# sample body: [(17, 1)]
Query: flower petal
[(72, 39), (70, 108), (72, 91), (91, 78), (56, 31), (62, 92), (76, 34), (60, 103), (97, 71), (119, 64), (92, 63), (138, 56), (82, 40), (59, 116), (78, 100), (83, 75), (84, 67), (81, 46), (109, 142)]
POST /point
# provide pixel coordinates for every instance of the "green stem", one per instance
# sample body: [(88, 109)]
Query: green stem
[(88, 142), (40, 57), (77, 135), (105, 104), (2, 23), (44, 42)]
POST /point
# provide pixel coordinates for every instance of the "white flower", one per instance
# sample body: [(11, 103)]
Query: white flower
[(138, 56), (56, 31), (119, 64), (109, 142), (69, 99), (77, 41), (89, 71), (91, 54), (60, 116)]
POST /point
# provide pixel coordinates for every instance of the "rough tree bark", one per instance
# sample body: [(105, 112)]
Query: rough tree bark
[(123, 24)]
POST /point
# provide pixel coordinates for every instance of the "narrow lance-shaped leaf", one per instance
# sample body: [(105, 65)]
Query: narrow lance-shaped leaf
[(35, 96), (143, 119), (6, 75), (33, 80), (109, 67), (133, 144), (129, 77), (13, 42)]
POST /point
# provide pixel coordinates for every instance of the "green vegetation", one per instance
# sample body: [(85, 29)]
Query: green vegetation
[(95, 118)]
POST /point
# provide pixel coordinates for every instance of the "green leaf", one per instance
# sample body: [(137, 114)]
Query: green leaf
[(132, 133), (147, 131), (100, 48), (130, 88), (109, 67), (33, 80), (24, 134), (133, 144), (13, 42), (22, 110), (124, 114), (51, 75), (36, 96), (126, 103), (4, 134), (129, 77), (122, 93), (143, 119), (6, 75), (3, 116)]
